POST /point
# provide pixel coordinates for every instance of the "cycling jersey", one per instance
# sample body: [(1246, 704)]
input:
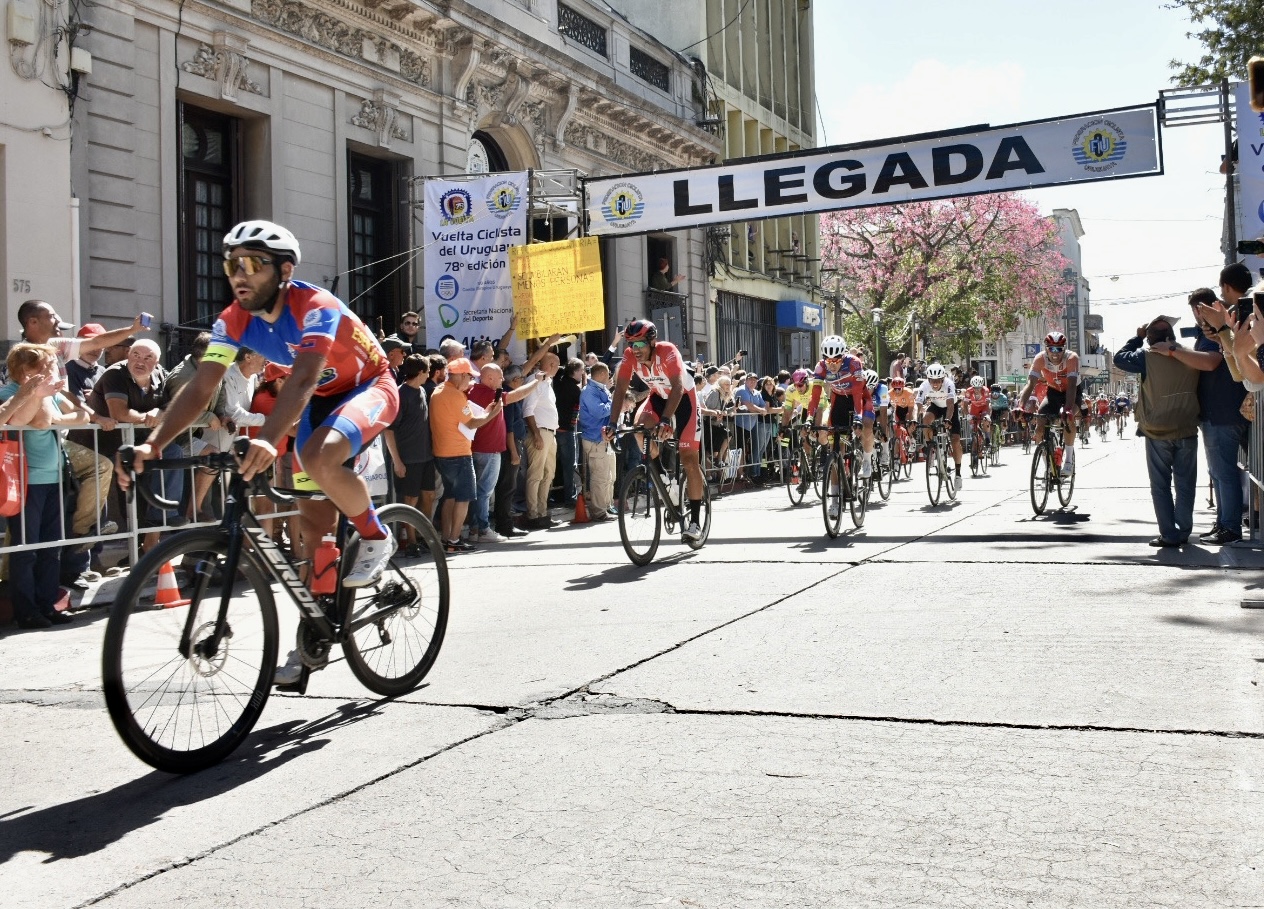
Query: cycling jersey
[(880, 396), (1056, 375), (1123, 404), (797, 400), (904, 398), (848, 380), (939, 398), (313, 320), (1103, 407), (665, 365), (999, 402), (978, 401)]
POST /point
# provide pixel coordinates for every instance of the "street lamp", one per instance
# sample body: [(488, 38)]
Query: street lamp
[(877, 340)]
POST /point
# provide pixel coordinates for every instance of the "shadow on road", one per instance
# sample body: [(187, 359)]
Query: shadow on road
[(87, 825), (626, 574)]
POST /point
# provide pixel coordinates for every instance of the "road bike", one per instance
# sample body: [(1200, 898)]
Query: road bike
[(1046, 470), (1120, 420), (799, 464), (654, 494), (904, 453), (980, 445), (191, 642), (841, 482), (938, 477), (883, 471)]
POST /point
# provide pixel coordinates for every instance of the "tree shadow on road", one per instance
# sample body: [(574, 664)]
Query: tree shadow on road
[(86, 825)]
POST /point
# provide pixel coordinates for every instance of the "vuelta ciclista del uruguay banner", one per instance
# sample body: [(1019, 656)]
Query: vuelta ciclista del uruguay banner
[(1101, 146), (469, 226), (1250, 174)]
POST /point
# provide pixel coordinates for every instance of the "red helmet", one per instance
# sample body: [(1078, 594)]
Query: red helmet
[(1055, 339), (640, 330), (897, 384)]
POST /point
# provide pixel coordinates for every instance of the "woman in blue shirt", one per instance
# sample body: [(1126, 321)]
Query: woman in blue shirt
[(34, 574)]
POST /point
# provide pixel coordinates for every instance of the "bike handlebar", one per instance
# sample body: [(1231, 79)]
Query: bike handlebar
[(218, 461)]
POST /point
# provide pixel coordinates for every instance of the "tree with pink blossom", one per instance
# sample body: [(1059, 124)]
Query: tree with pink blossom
[(967, 266)]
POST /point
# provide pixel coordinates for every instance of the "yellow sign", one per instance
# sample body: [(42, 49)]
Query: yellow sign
[(557, 287)]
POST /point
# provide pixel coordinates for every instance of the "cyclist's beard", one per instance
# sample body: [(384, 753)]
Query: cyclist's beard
[(263, 301)]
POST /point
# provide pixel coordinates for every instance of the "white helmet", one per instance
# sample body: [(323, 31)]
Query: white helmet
[(977, 382), (833, 346), (871, 379), (936, 371), (262, 235)]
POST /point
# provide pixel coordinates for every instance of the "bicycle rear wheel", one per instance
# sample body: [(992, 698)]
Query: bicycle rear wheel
[(640, 516), (832, 497), (1041, 478), (396, 626), (950, 479), (934, 476), (176, 712)]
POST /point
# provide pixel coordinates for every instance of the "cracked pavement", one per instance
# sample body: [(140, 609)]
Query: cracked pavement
[(961, 706)]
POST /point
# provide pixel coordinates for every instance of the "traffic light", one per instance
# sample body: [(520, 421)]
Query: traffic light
[(1255, 80)]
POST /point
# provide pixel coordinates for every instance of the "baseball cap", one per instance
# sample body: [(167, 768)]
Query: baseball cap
[(274, 371), (390, 344), (1170, 320), (91, 330), (459, 366)]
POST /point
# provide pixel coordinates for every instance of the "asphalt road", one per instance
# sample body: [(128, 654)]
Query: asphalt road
[(955, 706)]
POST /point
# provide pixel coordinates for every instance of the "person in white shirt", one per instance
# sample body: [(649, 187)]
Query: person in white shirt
[(540, 411), (237, 391)]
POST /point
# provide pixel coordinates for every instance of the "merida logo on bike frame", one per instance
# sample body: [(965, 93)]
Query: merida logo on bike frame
[(263, 542)]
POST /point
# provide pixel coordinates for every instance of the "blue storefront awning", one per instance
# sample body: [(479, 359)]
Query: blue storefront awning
[(799, 315)]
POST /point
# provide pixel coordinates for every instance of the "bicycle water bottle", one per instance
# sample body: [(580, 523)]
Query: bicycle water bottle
[(1057, 457), (325, 566), (673, 492)]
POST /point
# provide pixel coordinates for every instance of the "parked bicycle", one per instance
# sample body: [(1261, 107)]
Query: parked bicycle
[(841, 483), (191, 642), (1046, 470), (654, 494)]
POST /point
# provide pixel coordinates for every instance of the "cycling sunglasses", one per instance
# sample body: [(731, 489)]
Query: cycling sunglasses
[(251, 265), (1055, 349), (640, 345)]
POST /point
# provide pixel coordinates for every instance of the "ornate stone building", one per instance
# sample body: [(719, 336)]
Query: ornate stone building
[(323, 114)]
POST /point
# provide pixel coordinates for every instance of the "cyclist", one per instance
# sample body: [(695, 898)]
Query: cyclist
[(903, 400), (1102, 407), (1000, 413), (881, 407), (672, 399), (340, 391), (978, 401), (937, 400), (1059, 370), (1123, 405), (798, 398), (843, 374)]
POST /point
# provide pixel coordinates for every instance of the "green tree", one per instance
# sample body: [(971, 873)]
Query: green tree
[(1233, 34)]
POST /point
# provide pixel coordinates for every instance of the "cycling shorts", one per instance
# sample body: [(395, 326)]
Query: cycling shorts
[(359, 416), (1056, 401), (842, 409), (954, 427), (904, 413), (685, 418)]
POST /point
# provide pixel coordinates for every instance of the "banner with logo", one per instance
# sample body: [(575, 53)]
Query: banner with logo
[(1250, 176), (470, 226), (1102, 146), (557, 287)]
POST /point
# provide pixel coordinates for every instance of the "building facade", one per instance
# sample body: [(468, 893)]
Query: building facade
[(324, 115), (755, 58)]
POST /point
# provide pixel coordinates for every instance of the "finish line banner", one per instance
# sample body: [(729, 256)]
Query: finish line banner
[(469, 227), (1103, 146)]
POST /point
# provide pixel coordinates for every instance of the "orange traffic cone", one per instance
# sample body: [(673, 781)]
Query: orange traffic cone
[(581, 510), (167, 596)]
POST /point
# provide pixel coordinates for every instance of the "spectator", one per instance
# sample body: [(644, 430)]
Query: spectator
[(1220, 404), (566, 391), (395, 350), (540, 411), (83, 371), (408, 441), (511, 458), (34, 574), (1167, 413), (590, 360), (489, 445), (406, 334), (481, 353), (749, 407), (599, 463), (237, 391), (263, 403), (451, 349), (662, 280), (713, 404), (453, 421), (438, 373)]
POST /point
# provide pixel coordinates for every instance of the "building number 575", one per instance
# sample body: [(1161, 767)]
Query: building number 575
[(21, 286)]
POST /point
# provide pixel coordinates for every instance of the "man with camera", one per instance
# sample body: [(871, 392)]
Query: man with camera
[(1167, 412)]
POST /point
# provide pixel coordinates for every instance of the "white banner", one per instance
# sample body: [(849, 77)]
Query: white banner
[(1102, 146), (1250, 176), (469, 227)]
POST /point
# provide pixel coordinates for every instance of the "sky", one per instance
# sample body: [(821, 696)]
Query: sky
[(906, 66)]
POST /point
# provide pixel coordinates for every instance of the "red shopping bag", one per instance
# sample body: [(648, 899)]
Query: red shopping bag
[(12, 478)]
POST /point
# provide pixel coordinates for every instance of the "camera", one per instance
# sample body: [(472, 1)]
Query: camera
[(1251, 247), (500, 395), (1190, 331), (1245, 308)]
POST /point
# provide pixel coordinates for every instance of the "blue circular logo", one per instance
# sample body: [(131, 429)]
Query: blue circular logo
[(446, 288)]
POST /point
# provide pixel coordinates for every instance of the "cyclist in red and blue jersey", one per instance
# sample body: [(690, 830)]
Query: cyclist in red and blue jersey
[(844, 376), (340, 391)]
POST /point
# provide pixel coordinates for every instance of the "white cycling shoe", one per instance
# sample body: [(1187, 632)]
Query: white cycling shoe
[(866, 466), (692, 532), (371, 559)]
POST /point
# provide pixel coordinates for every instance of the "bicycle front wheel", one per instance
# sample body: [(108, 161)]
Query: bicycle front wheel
[(832, 496), (182, 690), (934, 476), (1066, 488), (859, 489), (640, 516), (883, 477), (796, 477), (1041, 468), (395, 627)]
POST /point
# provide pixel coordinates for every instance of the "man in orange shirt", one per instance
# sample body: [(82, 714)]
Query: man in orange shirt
[(453, 420)]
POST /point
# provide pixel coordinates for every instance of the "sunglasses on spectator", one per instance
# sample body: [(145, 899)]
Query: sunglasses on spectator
[(640, 345), (249, 264), (1055, 349), (410, 324)]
